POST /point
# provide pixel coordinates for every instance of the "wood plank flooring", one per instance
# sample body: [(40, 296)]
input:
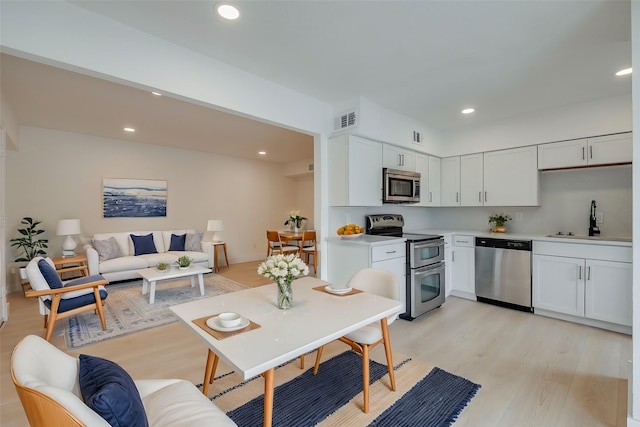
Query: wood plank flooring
[(534, 371)]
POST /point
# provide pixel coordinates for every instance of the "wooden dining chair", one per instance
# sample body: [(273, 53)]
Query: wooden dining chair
[(276, 245), (309, 247)]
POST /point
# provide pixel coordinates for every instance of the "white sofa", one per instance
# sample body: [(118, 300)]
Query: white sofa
[(124, 267)]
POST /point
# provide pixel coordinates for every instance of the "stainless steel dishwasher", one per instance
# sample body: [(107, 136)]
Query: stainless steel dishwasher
[(503, 272)]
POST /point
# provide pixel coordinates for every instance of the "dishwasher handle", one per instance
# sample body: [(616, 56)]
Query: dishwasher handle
[(516, 245)]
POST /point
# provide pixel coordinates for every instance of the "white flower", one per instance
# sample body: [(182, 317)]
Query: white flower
[(283, 268)]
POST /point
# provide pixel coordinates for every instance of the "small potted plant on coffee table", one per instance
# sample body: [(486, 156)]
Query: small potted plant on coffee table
[(162, 267), (184, 262)]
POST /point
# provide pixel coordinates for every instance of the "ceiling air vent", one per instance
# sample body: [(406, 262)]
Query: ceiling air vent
[(344, 121)]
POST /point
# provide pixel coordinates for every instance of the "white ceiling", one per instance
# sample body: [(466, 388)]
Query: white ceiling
[(424, 59)]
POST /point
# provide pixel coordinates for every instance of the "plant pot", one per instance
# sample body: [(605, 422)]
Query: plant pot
[(500, 229)]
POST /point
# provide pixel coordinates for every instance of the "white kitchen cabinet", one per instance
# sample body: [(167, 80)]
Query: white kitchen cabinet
[(429, 169), (591, 284), (356, 171), (345, 258), (511, 177), (450, 181), (463, 277), (596, 151), (394, 157), (471, 180)]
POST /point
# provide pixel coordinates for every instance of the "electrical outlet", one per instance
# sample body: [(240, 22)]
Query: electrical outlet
[(519, 216), (600, 218)]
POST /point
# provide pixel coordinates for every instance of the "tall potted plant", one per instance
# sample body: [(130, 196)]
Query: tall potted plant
[(30, 243)]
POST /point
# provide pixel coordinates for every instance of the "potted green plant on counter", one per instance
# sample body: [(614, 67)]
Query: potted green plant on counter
[(499, 221)]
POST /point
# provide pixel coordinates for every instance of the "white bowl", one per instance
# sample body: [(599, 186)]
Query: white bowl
[(229, 320)]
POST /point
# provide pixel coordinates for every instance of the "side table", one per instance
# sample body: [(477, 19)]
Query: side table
[(72, 264), (216, 246)]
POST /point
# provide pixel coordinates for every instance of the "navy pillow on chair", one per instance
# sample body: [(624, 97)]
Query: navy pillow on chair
[(177, 242), (50, 274), (109, 390), (143, 244)]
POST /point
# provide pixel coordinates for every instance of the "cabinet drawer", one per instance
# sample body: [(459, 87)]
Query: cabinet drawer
[(380, 253), (464, 240)]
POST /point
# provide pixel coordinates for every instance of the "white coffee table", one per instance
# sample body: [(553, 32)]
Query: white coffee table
[(152, 275)]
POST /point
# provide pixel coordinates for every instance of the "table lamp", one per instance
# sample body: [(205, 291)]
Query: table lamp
[(68, 227), (215, 225)]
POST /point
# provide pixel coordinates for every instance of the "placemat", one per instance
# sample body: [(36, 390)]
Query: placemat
[(351, 292), (220, 335)]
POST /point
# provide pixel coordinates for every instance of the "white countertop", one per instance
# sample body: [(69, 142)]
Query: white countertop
[(367, 239)]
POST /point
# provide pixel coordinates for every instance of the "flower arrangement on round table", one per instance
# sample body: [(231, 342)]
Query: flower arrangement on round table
[(283, 270), (295, 219)]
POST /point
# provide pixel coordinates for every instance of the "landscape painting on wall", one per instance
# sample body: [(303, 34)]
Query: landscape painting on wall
[(134, 197)]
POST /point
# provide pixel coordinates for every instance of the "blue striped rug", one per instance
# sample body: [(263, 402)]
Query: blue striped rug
[(306, 400)]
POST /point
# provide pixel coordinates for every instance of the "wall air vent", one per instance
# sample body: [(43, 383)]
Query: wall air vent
[(344, 121), (417, 138)]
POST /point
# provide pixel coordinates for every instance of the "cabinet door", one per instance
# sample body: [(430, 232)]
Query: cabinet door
[(511, 177), (422, 166), (471, 178), (564, 154), (558, 284), (434, 181), (397, 266), (463, 271), (610, 149), (608, 291), (398, 158), (450, 181)]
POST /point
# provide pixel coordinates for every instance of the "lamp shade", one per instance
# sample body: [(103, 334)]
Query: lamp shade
[(68, 227), (215, 225)]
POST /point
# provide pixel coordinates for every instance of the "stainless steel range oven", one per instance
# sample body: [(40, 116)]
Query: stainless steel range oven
[(425, 274)]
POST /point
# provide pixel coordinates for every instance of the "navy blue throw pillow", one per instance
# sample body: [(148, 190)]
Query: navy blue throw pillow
[(50, 275), (177, 242), (109, 390), (143, 244)]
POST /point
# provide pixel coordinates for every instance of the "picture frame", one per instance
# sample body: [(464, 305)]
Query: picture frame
[(133, 198)]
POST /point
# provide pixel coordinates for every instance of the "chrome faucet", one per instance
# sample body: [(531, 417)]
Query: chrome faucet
[(594, 230)]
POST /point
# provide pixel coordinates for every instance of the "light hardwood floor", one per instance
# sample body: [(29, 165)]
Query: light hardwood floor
[(534, 371)]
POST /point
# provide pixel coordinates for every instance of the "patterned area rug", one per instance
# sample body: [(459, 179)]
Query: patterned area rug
[(425, 396), (128, 311)]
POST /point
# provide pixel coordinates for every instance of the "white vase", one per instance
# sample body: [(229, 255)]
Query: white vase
[(296, 229)]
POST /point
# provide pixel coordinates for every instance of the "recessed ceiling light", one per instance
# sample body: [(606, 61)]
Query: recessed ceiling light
[(129, 130), (227, 11), (468, 110), (262, 153), (157, 93), (624, 72)]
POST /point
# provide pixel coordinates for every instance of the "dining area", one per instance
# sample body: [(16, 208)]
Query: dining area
[(297, 239)]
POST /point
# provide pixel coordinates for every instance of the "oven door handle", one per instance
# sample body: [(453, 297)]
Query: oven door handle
[(439, 242), (430, 268)]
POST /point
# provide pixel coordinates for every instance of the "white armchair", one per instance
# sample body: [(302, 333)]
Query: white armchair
[(48, 384)]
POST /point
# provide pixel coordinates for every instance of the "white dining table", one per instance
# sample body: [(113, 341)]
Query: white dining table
[(316, 319)]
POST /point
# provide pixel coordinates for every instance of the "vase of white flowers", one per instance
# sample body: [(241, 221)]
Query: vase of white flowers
[(283, 270), (295, 220)]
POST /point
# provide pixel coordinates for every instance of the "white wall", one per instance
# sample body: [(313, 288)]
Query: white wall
[(57, 175)]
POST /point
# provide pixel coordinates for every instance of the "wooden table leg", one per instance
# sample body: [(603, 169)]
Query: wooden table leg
[(209, 371), (268, 397), (387, 352)]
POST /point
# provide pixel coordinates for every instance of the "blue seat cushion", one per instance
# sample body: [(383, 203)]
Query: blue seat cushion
[(50, 274), (143, 244), (109, 390), (177, 242), (67, 304)]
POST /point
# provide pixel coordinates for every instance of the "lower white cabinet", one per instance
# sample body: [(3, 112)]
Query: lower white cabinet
[(594, 289), (463, 277), (346, 257)]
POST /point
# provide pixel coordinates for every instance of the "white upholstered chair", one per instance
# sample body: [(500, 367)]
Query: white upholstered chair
[(385, 284), (47, 382)]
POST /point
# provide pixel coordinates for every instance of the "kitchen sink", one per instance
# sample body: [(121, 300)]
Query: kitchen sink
[(613, 239)]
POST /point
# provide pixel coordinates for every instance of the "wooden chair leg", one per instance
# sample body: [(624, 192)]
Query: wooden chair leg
[(96, 294), (53, 314), (302, 361), (365, 377), (387, 352), (318, 357), (46, 321), (209, 371)]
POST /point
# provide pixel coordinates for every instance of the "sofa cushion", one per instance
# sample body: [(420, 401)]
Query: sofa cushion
[(177, 242), (196, 257), (123, 264), (193, 242), (110, 391), (107, 249), (50, 274), (143, 244)]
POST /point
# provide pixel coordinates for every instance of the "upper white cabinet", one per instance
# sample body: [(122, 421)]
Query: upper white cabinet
[(511, 177), (429, 169), (601, 150), (450, 181), (398, 158), (356, 171), (471, 180)]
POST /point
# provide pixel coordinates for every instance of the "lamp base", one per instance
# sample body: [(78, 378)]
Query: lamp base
[(68, 254)]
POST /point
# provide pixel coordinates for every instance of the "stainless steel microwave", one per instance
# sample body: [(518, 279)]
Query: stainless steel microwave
[(400, 186)]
